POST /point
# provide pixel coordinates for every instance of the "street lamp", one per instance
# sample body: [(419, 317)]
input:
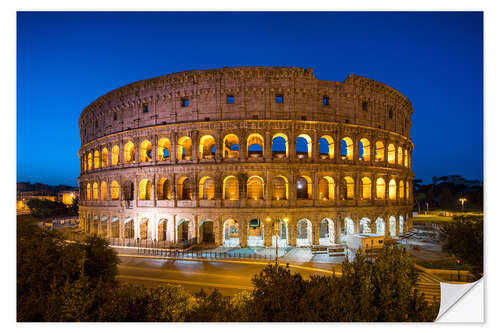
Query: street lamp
[(462, 200)]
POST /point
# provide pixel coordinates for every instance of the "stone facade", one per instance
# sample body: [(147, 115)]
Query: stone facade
[(221, 155)]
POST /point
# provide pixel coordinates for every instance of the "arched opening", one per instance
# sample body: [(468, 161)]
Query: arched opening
[(365, 225), (326, 147), (145, 189), (380, 226), (406, 158), (183, 231), (401, 190), (184, 149), (364, 150), (304, 188), (164, 189), (401, 225), (255, 233), (349, 226), (282, 234), (304, 233), (346, 149), (84, 158), (392, 189), (146, 152), (162, 229), (231, 237), (104, 158), (103, 230), (303, 146), (231, 188), (347, 188), (207, 188), (255, 144), (96, 159), (392, 226), (380, 186), (129, 153), (326, 232), (326, 188), (255, 188), (95, 192), (95, 225), (400, 156), (115, 155), (391, 154), (89, 160), (104, 191), (280, 146), (128, 228), (207, 147), (279, 188), (144, 229), (128, 190), (89, 192), (366, 186), (379, 151), (207, 232), (115, 227), (231, 146), (164, 149), (185, 189), (407, 191)]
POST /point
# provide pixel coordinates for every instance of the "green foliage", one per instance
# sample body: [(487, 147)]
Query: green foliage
[(464, 239), (47, 208)]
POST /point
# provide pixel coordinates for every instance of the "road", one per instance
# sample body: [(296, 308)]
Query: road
[(228, 278)]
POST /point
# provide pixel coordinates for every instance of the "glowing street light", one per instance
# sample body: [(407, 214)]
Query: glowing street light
[(462, 200)]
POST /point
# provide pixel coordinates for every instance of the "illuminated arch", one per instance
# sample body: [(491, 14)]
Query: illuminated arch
[(89, 192), (365, 225), (349, 226), (326, 147), (128, 226), (279, 145), (379, 151), (184, 148), (145, 189), (304, 188), (255, 188), (230, 236), (364, 150), (326, 188), (392, 189), (207, 147), (115, 155), (104, 158), (255, 145), (346, 149), (146, 152), (279, 188), (89, 160), (95, 191), (401, 225), (391, 154), (348, 188), (164, 149), (129, 153), (401, 190), (231, 188), (400, 156), (406, 158), (183, 230), (326, 232), (115, 190), (231, 146), (104, 191), (392, 226), (164, 190), (184, 189), (380, 187), (303, 140), (407, 191), (255, 233), (96, 159), (206, 188), (366, 185), (380, 226), (144, 232), (304, 233), (162, 229)]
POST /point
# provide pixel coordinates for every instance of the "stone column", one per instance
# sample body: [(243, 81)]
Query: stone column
[(355, 149), (387, 225), (243, 232), (338, 228), (218, 146), (195, 146), (173, 147), (268, 233), (243, 155), (292, 231), (292, 154), (267, 146), (154, 149), (267, 190), (218, 229), (315, 230), (315, 189), (315, 147), (137, 151)]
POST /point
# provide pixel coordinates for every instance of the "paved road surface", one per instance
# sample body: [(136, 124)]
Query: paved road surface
[(229, 278)]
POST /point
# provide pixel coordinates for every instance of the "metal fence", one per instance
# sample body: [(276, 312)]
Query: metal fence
[(201, 254)]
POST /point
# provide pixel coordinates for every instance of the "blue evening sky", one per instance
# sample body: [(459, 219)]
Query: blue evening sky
[(67, 60)]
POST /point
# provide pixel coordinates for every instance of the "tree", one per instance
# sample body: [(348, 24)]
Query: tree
[(463, 238)]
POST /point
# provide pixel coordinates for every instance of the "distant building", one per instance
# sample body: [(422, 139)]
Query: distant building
[(27, 191)]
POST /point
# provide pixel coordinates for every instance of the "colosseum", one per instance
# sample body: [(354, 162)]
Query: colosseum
[(246, 156)]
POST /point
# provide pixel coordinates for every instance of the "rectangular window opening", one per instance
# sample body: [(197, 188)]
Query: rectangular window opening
[(279, 99), (365, 106), (390, 113), (255, 116), (184, 102), (115, 116), (303, 118), (230, 100), (145, 108), (326, 100)]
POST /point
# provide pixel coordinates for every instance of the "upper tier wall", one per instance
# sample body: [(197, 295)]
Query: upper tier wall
[(157, 101)]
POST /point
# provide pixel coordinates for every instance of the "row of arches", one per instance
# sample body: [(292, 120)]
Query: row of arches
[(258, 232), (255, 189), (255, 146)]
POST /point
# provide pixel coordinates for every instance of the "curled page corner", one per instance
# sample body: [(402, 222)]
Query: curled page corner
[(461, 302)]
